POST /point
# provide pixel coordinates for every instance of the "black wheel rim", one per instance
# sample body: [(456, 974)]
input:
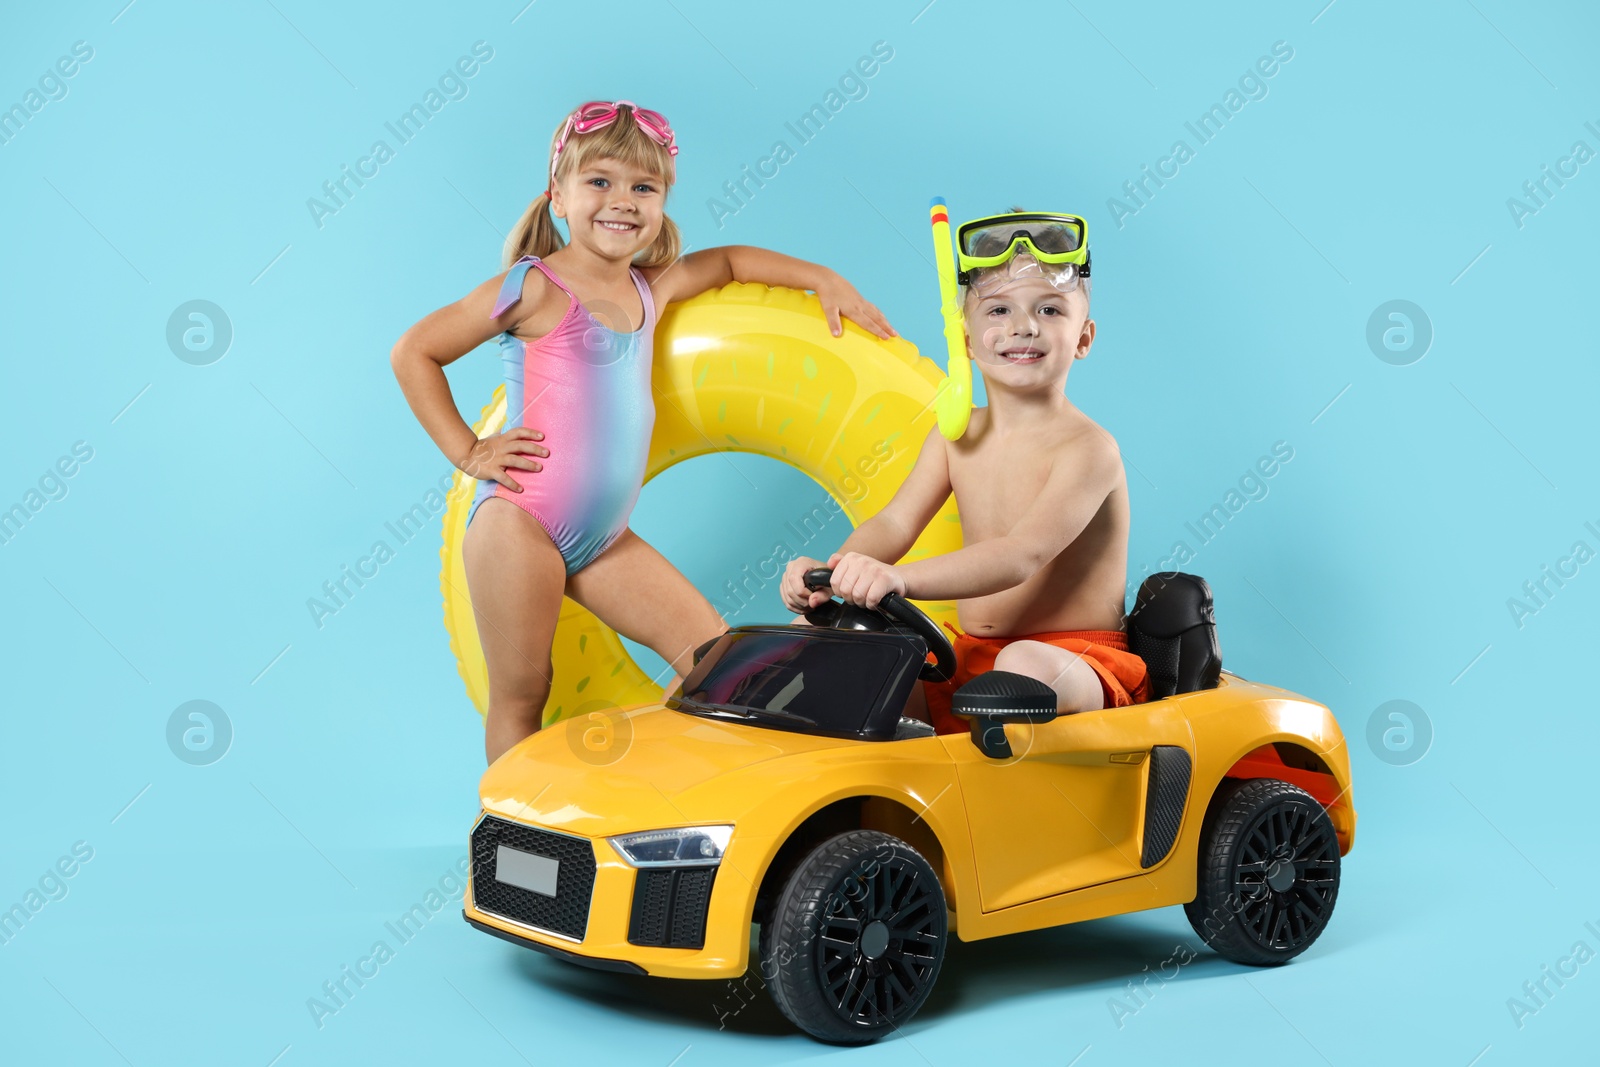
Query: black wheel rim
[(887, 903), (1286, 877)]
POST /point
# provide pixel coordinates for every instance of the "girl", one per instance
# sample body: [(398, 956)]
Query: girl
[(557, 485)]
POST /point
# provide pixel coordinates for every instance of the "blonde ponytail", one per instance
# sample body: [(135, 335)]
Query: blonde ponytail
[(535, 233)]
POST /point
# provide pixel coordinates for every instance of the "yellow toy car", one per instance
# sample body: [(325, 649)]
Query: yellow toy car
[(782, 786)]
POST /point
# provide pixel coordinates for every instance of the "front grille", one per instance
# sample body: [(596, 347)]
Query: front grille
[(567, 912), (669, 906)]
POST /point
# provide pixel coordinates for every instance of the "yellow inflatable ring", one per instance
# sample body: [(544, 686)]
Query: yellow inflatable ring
[(746, 368)]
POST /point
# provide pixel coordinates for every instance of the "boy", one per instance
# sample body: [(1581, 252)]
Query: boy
[(1040, 583)]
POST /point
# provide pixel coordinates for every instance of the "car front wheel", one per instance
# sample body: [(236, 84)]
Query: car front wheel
[(855, 939), (1268, 873)]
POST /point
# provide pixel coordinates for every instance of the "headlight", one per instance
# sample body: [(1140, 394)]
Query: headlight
[(687, 846)]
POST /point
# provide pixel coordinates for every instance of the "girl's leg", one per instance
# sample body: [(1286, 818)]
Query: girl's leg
[(516, 578), (636, 592)]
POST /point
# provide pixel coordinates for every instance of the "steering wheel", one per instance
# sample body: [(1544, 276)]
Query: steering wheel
[(893, 608)]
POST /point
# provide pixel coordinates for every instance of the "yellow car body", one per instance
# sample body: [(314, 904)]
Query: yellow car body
[(1055, 834)]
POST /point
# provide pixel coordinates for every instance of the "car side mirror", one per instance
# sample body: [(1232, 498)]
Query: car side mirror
[(991, 700)]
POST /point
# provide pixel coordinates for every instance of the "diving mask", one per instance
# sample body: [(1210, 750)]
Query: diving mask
[(1053, 239), (1022, 266)]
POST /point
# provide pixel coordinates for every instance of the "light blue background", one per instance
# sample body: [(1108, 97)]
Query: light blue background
[(1233, 311)]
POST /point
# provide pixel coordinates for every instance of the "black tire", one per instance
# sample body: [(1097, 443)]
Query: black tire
[(1268, 873), (855, 938)]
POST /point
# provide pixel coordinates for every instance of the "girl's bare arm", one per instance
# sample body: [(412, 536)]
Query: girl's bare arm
[(441, 338), (712, 268)]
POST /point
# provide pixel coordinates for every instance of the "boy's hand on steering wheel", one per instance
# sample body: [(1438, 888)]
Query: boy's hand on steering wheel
[(796, 597), (862, 580)]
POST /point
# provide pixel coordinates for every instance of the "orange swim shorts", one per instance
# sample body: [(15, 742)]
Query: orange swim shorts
[(1124, 678)]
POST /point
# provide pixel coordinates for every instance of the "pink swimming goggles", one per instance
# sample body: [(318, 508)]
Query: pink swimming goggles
[(597, 115)]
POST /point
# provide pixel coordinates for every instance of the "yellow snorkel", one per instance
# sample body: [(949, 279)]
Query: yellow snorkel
[(953, 401)]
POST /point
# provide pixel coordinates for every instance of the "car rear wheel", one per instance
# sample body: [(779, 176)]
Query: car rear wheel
[(1268, 873), (855, 939)]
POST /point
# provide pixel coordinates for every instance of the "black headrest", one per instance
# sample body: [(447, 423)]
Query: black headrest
[(1173, 629), (1171, 602)]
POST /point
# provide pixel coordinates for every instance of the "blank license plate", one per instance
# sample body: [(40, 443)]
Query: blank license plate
[(525, 870)]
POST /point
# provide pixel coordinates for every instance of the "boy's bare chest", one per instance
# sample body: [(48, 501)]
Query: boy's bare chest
[(995, 487)]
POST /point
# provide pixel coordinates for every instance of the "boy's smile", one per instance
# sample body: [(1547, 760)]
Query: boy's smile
[(1022, 354)]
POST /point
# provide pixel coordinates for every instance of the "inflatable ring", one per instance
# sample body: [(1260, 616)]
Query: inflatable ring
[(746, 368)]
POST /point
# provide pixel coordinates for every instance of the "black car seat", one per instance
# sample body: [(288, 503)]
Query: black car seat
[(1172, 628)]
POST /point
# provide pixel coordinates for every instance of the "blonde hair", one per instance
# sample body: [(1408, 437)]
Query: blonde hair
[(535, 233)]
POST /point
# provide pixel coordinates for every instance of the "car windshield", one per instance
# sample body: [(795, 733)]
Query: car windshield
[(811, 682)]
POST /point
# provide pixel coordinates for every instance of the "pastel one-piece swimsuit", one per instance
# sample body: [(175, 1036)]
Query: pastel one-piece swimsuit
[(587, 389)]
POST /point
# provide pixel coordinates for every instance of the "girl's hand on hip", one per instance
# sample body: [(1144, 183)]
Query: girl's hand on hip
[(493, 458)]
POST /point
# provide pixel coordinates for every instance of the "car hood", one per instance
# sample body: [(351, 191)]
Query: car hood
[(641, 768)]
